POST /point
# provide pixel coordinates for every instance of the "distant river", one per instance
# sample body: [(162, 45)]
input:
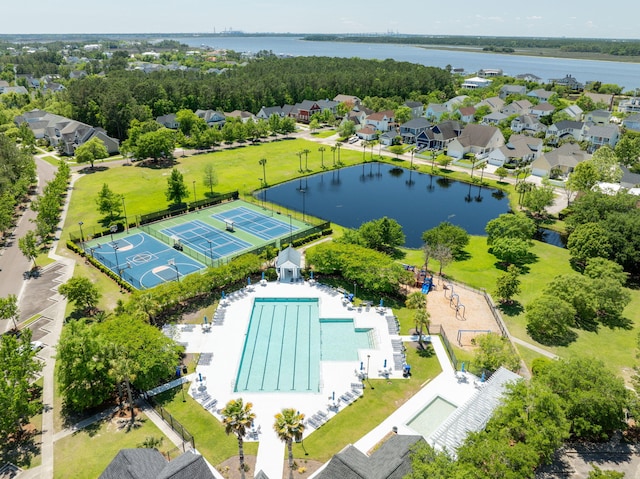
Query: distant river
[(624, 74)]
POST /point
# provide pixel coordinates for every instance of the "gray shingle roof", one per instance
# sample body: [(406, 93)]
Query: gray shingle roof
[(151, 464)]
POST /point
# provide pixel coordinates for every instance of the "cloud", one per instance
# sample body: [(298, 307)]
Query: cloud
[(590, 24), (535, 17), (490, 19)]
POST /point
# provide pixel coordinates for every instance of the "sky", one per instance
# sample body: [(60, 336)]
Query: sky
[(543, 18)]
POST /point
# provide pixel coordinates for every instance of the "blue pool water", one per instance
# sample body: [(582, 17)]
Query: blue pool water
[(285, 342)]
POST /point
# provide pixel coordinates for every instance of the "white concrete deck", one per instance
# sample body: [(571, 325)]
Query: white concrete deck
[(225, 341)]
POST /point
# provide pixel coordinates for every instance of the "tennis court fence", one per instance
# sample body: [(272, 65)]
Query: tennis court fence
[(122, 271)]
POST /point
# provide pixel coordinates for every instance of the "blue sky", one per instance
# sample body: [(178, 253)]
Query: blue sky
[(549, 18)]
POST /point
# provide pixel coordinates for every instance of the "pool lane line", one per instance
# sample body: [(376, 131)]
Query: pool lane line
[(295, 351), (266, 359), (253, 349), (309, 352), (284, 328)]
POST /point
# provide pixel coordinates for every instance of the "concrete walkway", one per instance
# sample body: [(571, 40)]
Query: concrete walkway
[(533, 347)]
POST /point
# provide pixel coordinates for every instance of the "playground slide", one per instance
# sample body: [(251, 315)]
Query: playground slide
[(426, 286)]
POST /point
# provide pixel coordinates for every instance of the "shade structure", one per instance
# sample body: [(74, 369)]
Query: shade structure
[(205, 320), (381, 302), (222, 295), (248, 279)]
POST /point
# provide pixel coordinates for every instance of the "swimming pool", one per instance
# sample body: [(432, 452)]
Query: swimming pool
[(431, 416), (285, 342)]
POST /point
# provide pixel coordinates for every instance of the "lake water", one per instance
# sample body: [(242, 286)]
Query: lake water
[(352, 196), (621, 73)]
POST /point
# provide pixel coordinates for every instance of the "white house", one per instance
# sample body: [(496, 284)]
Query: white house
[(288, 264), (476, 139), (519, 149), (475, 82)]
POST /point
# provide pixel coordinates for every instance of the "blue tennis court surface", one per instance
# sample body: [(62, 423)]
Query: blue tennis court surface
[(262, 226), (143, 261), (206, 239)]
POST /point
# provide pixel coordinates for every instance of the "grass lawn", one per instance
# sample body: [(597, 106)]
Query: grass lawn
[(210, 438), (86, 453)]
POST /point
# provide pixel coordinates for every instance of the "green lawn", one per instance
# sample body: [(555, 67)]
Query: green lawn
[(86, 453)]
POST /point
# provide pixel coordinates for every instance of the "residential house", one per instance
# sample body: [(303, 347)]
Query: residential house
[(303, 111), (542, 109), (266, 112), (629, 179), (417, 108), (600, 135), (330, 105), (475, 82), (77, 74), (439, 136), (490, 72), (392, 460), (599, 117), (565, 158), (411, 129), (367, 133), (630, 105), (168, 121), (358, 115), (541, 95), (574, 111), (212, 117), (518, 150), (467, 114), (494, 102), (493, 118), (570, 82), (382, 120), (3, 84), (64, 133), (388, 137), (518, 107), (150, 463), (507, 90), (529, 77), (53, 87), (564, 130), (244, 116), (527, 123), (601, 98), (632, 122), (455, 102), (19, 90), (350, 100), (434, 111), (476, 139)]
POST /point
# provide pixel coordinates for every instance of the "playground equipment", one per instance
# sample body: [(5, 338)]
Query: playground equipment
[(426, 285), (448, 287), (460, 331), (463, 308), (454, 298)]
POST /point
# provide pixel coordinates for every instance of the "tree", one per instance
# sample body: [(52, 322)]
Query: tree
[(91, 151), (495, 351), (627, 150), (210, 177), (549, 320), (605, 270), (397, 150), (299, 155), (176, 187), (263, 163), (538, 198), (155, 144), (306, 152), (384, 234), (421, 320), (598, 473), (509, 225), (322, 149), (109, 203), (588, 240), (449, 235), (346, 129), (187, 121), (314, 124), (402, 114), (606, 164), (443, 255), (237, 417), (508, 284), (82, 292), (28, 246), (9, 309), (511, 250), (584, 176), (289, 427), (444, 161)]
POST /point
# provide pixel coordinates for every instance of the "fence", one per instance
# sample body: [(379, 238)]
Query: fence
[(438, 329), (174, 424)]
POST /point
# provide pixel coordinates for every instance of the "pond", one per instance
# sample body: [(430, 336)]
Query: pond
[(418, 201)]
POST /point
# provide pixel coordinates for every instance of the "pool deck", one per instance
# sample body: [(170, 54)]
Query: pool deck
[(224, 341)]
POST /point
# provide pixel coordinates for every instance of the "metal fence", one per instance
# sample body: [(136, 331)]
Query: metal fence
[(174, 424), (438, 329)]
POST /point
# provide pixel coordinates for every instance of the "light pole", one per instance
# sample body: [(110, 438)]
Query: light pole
[(113, 229), (210, 252), (194, 191), (172, 262), (355, 287), (126, 222), (115, 250), (80, 223), (368, 380), (290, 230)]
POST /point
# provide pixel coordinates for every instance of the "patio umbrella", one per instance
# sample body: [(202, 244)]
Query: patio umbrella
[(311, 274), (205, 320), (462, 369), (361, 366), (222, 295), (333, 396), (385, 364), (263, 275), (248, 279), (381, 302), (483, 378), (200, 377)]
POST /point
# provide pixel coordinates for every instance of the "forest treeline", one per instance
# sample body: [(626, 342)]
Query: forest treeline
[(608, 47), (114, 100)]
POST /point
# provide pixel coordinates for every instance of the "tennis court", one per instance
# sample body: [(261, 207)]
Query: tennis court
[(206, 239), (263, 226), (143, 261)]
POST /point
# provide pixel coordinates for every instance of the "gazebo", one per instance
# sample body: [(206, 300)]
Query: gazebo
[(288, 264)]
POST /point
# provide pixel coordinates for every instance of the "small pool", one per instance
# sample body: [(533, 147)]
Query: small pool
[(340, 340), (431, 416)]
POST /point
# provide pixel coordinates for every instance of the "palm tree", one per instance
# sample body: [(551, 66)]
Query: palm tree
[(421, 317), (306, 157), (263, 162), (322, 149), (365, 143), (300, 160), (289, 427), (333, 150), (416, 300), (237, 418), (338, 146), (482, 167)]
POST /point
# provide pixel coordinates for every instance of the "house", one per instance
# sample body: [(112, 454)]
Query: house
[(494, 102), (212, 117), (350, 100), (382, 120), (565, 158), (303, 111), (244, 116), (367, 133), (288, 264), (467, 114), (507, 90), (434, 111), (518, 107), (632, 122), (64, 133), (599, 117), (475, 82), (455, 102), (417, 108), (439, 136), (600, 135), (574, 111), (266, 112), (542, 109), (168, 121), (151, 464), (476, 139), (565, 130), (541, 95), (629, 179), (601, 98), (630, 105), (19, 90), (490, 72), (527, 123), (493, 118), (411, 129), (519, 149), (3, 84), (529, 77), (568, 81), (388, 137), (53, 87), (358, 115), (392, 460)]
